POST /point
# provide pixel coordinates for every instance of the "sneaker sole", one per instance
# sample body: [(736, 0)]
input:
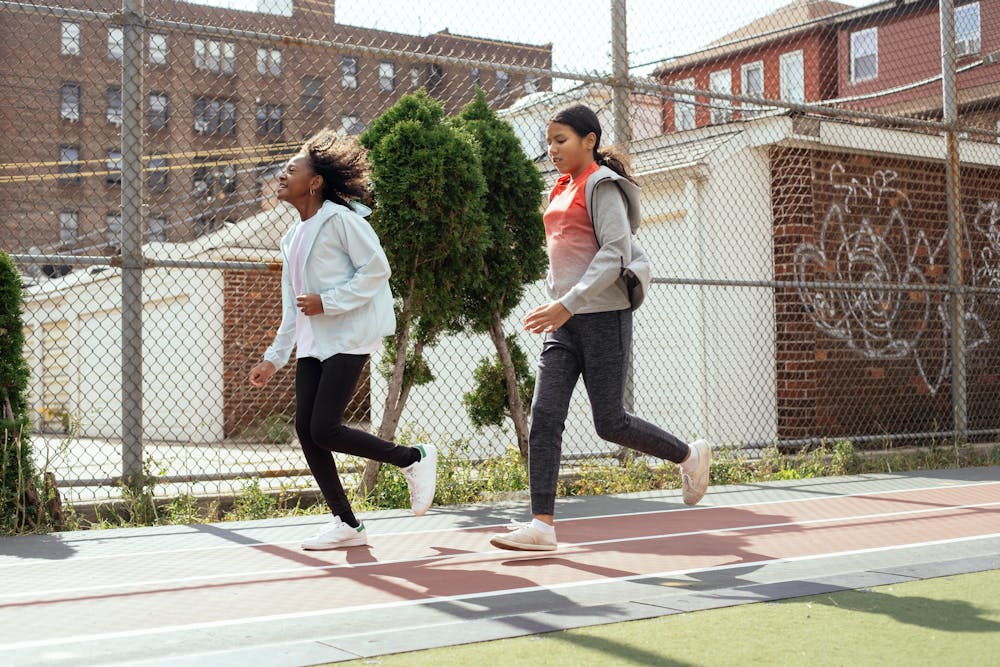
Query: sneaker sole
[(501, 543), (338, 545)]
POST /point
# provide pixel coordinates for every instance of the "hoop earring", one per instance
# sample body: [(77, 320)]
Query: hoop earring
[(312, 192)]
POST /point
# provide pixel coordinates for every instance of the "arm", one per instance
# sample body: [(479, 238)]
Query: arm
[(614, 238), (371, 267), (281, 349)]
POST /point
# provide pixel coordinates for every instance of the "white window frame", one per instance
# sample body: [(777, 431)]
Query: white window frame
[(720, 81), (113, 229), (750, 109), (531, 84), (159, 105), (113, 162), (159, 48), (214, 56), (312, 94), (158, 178), (968, 30), (416, 76), (867, 40), (69, 227), (791, 75), (347, 123), (684, 107), (116, 43), (69, 162), (113, 112), (69, 108), (269, 62), (69, 38), (349, 72), (502, 81), (156, 228), (387, 76)]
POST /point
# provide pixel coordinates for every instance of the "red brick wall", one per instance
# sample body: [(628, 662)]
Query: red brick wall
[(877, 361), (252, 312)]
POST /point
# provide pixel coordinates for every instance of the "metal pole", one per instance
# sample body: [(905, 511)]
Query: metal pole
[(619, 69), (131, 240), (953, 198)]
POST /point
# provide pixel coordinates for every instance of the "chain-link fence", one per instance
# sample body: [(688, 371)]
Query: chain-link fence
[(820, 202)]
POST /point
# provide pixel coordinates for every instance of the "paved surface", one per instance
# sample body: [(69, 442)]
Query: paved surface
[(244, 593)]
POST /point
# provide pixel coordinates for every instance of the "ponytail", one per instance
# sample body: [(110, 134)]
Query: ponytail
[(615, 161)]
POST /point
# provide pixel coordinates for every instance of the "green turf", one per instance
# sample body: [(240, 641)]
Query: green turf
[(940, 622)]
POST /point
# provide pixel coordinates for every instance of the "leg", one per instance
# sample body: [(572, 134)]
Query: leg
[(558, 372), (339, 378), (606, 342), (308, 373)]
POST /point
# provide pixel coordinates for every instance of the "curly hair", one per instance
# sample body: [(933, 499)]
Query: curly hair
[(342, 163)]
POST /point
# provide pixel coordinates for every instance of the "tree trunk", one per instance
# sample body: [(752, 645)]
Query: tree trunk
[(517, 412)]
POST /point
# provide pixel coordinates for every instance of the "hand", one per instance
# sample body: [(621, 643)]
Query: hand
[(547, 318), (261, 373), (309, 304)]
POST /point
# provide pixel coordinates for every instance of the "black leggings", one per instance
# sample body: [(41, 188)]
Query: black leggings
[(323, 389)]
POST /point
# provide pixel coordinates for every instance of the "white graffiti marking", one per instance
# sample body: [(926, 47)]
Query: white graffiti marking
[(865, 239)]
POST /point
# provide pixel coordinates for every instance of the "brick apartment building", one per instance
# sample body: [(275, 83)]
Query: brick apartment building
[(219, 112), (882, 57)]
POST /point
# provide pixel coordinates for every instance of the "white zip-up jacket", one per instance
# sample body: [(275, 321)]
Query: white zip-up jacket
[(345, 264)]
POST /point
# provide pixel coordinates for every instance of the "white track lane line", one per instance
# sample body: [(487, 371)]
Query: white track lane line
[(146, 632), (450, 529), (566, 547)]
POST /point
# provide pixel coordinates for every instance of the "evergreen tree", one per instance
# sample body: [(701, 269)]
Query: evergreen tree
[(515, 258), (19, 503), (428, 187)]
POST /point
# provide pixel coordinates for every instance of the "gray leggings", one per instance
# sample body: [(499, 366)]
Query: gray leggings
[(597, 345)]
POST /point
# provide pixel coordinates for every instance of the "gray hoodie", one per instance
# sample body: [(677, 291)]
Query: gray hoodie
[(613, 205)]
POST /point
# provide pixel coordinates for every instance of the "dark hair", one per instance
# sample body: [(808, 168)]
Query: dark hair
[(583, 121), (342, 163)]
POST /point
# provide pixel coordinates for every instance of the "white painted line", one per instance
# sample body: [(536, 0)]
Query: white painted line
[(146, 632), (236, 577), (450, 529)]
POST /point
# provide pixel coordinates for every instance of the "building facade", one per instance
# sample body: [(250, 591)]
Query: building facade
[(220, 113)]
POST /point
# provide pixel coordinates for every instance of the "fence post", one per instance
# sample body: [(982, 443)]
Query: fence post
[(619, 68), (131, 240), (954, 203)]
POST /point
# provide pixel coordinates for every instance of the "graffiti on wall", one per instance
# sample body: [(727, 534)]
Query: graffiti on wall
[(865, 239)]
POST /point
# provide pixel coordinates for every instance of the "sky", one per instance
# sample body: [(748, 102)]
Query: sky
[(581, 38)]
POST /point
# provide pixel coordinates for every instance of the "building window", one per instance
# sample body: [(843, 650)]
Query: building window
[(530, 84), (69, 227), (752, 85), (157, 48), (416, 76), (214, 56), (349, 72), (113, 164), (721, 81), (387, 77), (114, 110), (967, 30), (116, 43), (214, 117), (312, 94), (349, 125), (69, 101), (113, 230), (436, 75), (475, 77), (69, 163), (213, 174), (158, 174), (270, 119), (864, 55), (684, 118), (159, 110), (503, 81), (156, 228), (792, 78), (69, 35), (269, 62)]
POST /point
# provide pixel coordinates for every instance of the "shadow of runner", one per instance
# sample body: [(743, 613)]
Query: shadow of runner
[(50, 546)]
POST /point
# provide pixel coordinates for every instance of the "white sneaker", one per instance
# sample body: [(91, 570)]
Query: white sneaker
[(336, 535), (421, 477), (694, 482), (524, 538)]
